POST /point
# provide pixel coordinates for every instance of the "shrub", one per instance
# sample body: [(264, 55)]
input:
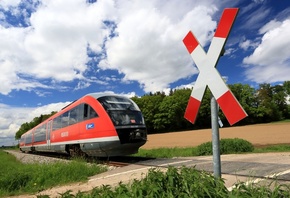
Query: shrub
[(186, 182), (227, 146)]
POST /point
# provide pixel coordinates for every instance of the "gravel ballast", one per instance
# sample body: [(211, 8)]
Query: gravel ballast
[(29, 158)]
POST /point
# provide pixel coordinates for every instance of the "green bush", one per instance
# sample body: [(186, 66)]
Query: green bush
[(186, 182), (227, 146), (273, 189)]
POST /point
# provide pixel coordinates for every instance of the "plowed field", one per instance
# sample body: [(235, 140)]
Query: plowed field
[(259, 135)]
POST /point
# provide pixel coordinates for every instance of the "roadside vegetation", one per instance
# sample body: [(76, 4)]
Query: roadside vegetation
[(186, 183), (17, 178)]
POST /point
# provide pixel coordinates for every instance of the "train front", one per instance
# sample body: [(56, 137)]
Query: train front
[(129, 124)]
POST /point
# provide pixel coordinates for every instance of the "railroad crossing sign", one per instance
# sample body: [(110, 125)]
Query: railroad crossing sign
[(208, 74)]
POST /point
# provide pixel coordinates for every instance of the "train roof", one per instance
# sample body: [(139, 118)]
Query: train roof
[(98, 95)]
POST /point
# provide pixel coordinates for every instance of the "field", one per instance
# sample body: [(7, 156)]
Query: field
[(259, 135)]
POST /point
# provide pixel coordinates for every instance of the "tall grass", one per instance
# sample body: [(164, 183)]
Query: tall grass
[(17, 178), (186, 183)]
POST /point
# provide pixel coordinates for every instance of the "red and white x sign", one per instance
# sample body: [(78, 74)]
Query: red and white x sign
[(208, 74)]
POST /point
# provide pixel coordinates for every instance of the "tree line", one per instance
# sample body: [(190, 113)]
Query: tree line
[(164, 113)]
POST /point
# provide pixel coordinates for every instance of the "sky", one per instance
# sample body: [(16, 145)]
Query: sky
[(53, 52)]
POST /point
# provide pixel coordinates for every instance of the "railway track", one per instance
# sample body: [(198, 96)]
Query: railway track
[(110, 161)]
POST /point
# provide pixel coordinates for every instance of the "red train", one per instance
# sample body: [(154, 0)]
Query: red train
[(96, 125)]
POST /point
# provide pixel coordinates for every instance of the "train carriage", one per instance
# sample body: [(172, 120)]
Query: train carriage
[(96, 125)]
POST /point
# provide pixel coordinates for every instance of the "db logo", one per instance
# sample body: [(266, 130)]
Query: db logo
[(90, 126)]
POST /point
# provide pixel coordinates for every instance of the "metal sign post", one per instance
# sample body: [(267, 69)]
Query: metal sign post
[(209, 76), (215, 138)]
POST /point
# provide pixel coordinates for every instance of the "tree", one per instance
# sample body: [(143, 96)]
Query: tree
[(267, 109), (246, 95), (279, 99), (286, 86), (149, 105)]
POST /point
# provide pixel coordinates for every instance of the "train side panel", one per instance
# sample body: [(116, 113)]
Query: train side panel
[(92, 126), (26, 142), (100, 125)]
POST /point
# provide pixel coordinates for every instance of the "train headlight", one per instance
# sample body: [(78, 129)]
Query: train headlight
[(138, 134)]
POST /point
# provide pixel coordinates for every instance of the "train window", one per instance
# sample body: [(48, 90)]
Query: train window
[(40, 133), (28, 138), (89, 112), (73, 116), (93, 113), (117, 103), (22, 138), (122, 110), (56, 123), (80, 114), (65, 119), (86, 109)]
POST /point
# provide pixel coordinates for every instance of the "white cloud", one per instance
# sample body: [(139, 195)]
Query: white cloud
[(11, 118), (60, 36), (270, 62), (5, 4), (55, 45), (245, 44), (270, 26), (149, 46)]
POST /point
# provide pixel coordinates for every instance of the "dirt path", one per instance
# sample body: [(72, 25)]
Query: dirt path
[(259, 135)]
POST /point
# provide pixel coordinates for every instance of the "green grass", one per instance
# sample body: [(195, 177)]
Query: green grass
[(17, 178), (195, 151), (186, 182), (282, 121), (273, 148)]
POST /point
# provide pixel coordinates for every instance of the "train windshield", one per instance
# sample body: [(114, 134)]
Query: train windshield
[(122, 111)]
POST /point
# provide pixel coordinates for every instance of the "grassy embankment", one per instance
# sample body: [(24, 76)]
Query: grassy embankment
[(17, 178)]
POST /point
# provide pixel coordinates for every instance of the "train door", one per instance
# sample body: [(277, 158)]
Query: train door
[(48, 134)]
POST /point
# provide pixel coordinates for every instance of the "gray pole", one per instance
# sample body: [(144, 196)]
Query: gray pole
[(215, 138)]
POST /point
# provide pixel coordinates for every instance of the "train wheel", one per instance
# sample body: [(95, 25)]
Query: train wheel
[(75, 151)]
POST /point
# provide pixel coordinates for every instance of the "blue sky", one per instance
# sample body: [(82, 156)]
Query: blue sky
[(53, 52)]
